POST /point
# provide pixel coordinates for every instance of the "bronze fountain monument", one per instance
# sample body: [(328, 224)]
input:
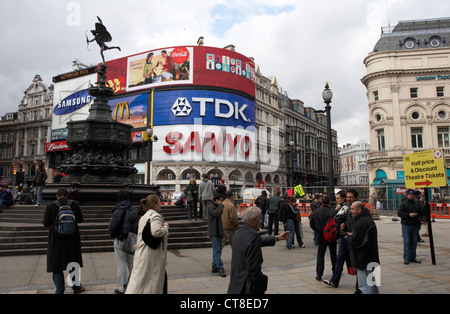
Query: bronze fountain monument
[(98, 167)]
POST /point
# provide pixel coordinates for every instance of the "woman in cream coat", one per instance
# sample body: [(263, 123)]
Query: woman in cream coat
[(149, 266)]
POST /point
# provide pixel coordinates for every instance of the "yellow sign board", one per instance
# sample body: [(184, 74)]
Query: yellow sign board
[(298, 190), (425, 169)]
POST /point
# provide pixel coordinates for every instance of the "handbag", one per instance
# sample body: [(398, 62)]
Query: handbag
[(190, 199), (351, 270), (130, 242), (148, 238)]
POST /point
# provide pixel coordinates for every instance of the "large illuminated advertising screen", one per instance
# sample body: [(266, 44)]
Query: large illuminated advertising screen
[(130, 110), (185, 65), (201, 125), (71, 101)]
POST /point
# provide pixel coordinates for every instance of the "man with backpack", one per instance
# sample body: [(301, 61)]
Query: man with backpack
[(64, 245), (319, 219), (123, 224)]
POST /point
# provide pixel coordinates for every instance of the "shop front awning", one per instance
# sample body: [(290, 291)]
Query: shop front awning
[(396, 182), (377, 182)]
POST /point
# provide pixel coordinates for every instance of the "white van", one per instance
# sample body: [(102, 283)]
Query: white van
[(251, 194), (176, 195)]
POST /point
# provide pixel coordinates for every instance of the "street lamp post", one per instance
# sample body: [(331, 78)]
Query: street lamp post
[(291, 143), (327, 95), (150, 140)]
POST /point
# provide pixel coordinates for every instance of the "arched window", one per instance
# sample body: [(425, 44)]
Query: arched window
[(235, 175), (381, 174), (166, 174), (190, 174)]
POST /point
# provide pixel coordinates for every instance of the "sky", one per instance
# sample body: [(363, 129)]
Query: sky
[(303, 43)]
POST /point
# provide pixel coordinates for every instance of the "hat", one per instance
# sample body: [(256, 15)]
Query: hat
[(222, 181), (229, 194), (410, 191)]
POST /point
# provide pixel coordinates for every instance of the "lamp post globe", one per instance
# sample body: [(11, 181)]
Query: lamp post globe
[(327, 94)]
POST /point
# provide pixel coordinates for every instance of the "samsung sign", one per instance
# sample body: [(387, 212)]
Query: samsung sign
[(73, 103), (213, 108)]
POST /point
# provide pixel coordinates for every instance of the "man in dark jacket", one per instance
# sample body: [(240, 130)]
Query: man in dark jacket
[(363, 244), (246, 260), (6, 197), (215, 233), (318, 221), (342, 217), (124, 219), (274, 206), (410, 211), (261, 202), (39, 182), (62, 251)]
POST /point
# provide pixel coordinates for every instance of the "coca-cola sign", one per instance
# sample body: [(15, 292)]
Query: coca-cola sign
[(56, 146), (180, 55)]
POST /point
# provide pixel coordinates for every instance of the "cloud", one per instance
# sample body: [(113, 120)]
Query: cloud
[(303, 43)]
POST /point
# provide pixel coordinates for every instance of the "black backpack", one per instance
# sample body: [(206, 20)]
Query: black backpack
[(65, 221), (130, 221)]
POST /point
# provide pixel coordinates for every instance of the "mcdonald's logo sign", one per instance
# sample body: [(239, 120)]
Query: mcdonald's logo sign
[(120, 108)]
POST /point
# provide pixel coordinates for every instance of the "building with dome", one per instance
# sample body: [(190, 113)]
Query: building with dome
[(408, 91)]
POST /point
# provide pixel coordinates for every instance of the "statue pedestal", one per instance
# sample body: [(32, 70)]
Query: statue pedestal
[(99, 143), (99, 193), (98, 168)]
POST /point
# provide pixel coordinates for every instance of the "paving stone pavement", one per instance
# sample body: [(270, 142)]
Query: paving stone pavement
[(289, 271)]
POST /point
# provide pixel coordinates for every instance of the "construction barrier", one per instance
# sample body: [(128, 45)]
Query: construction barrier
[(440, 210), (168, 203), (243, 206), (305, 208), (370, 207)]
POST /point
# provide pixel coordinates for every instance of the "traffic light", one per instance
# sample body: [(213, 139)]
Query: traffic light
[(20, 178)]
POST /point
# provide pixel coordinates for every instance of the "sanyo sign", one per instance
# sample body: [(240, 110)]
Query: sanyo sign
[(205, 143)]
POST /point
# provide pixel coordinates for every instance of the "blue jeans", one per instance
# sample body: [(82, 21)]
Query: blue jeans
[(343, 255), (58, 279), (363, 285), (409, 242), (38, 193), (217, 252), (294, 230)]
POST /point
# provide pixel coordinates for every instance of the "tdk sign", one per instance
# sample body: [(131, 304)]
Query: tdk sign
[(213, 108), (73, 103), (181, 108)]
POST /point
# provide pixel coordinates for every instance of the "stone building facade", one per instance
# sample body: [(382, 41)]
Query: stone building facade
[(26, 132), (408, 90)]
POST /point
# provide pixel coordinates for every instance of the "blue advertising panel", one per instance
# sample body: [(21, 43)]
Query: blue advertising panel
[(202, 107), (73, 102)]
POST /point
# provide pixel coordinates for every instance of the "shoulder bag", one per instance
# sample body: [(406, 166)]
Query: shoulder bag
[(130, 242), (148, 238)]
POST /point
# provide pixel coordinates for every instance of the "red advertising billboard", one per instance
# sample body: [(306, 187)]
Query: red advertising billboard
[(56, 146), (185, 65), (224, 68)]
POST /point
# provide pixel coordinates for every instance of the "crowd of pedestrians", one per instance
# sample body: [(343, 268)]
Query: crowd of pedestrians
[(142, 269)]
